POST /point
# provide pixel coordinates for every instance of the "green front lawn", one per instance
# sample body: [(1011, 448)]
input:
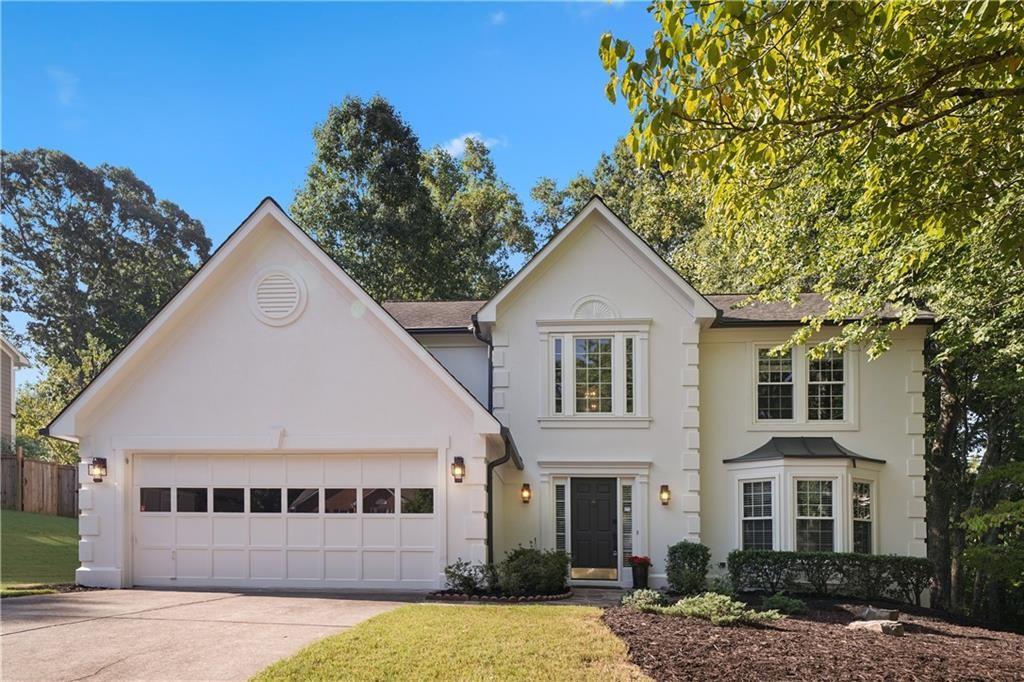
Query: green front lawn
[(36, 550), (428, 642)]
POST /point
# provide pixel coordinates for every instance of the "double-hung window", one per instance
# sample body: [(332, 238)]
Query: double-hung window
[(593, 365), (826, 387), (862, 517), (757, 515), (599, 373), (815, 518), (774, 385)]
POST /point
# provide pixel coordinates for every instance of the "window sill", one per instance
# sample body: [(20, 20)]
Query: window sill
[(802, 426), (590, 422)]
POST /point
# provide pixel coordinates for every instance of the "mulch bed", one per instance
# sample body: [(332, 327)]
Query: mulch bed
[(817, 646)]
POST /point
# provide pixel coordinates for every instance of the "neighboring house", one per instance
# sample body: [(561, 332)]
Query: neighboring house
[(10, 360), (274, 426)]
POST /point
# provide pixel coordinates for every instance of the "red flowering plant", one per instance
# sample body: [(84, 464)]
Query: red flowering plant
[(637, 560)]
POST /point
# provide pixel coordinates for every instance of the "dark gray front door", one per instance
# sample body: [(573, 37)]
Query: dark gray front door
[(594, 528)]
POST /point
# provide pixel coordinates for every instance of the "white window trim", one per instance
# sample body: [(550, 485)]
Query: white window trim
[(800, 422), (784, 474), (834, 484), (616, 329), (774, 517), (874, 511)]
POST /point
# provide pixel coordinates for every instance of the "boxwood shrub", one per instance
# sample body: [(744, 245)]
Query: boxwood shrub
[(529, 571), (855, 575), (687, 567)]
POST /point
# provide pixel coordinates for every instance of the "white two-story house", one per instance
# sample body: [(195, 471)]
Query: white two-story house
[(273, 426)]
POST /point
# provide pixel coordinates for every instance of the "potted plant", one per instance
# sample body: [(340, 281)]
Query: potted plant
[(641, 565)]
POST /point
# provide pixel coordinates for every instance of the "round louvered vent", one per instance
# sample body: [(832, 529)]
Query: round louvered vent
[(277, 297)]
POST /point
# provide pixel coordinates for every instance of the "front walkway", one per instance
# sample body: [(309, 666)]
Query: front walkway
[(594, 596), (170, 635)]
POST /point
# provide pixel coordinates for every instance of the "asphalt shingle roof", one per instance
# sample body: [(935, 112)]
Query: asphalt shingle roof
[(435, 315)]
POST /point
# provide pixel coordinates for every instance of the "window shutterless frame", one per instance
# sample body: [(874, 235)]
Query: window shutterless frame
[(815, 506)]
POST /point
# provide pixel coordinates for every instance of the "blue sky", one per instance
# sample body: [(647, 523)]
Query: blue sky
[(213, 104)]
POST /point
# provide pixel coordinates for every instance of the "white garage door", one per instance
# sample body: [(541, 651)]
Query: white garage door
[(340, 521)]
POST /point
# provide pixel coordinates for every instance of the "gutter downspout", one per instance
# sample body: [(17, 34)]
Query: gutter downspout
[(501, 460), (511, 453)]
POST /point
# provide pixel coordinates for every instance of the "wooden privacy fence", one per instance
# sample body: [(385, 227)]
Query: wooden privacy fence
[(41, 487)]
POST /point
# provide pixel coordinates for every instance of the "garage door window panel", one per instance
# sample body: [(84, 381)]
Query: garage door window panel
[(417, 500), (154, 499), (379, 501), (340, 501), (265, 500), (303, 500), (192, 500), (229, 500)]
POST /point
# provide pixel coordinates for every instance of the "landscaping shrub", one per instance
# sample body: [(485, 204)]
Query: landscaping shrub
[(762, 569), (864, 575), (791, 606), (819, 569), (464, 577), (528, 571), (910, 576), (722, 585), (687, 567), (719, 609), (644, 600), (855, 575)]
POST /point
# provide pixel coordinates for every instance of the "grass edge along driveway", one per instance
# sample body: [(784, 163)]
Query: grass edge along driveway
[(36, 550), (466, 642)]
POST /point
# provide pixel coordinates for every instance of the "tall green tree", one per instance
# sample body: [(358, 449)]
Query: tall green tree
[(484, 220), (404, 224), (88, 251), (666, 209), (876, 151)]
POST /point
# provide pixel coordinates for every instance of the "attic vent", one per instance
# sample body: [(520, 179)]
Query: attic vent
[(277, 297)]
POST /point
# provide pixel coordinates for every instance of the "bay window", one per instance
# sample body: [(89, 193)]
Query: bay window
[(862, 517), (757, 515), (815, 520)]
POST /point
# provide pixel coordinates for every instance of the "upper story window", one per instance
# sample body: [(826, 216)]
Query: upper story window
[(596, 370), (826, 387), (593, 359), (796, 391), (774, 385)]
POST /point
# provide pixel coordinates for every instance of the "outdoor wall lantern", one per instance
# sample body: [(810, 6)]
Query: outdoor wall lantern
[(525, 493), (98, 469), (458, 469), (665, 495)]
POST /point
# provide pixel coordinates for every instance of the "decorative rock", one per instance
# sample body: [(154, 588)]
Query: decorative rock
[(871, 613), (885, 627)]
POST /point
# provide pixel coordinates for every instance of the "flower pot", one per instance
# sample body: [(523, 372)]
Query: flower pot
[(640, 576)]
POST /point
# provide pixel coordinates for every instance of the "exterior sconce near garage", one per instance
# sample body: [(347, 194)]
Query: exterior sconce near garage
[(458, 469), (665, 495), (525, 493), (98, 469)]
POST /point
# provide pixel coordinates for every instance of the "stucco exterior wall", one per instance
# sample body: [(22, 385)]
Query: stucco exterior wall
[(596, 262), (464, 356), (218, 379), (888, 424)]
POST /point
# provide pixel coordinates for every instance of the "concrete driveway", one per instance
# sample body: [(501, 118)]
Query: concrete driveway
[(169, 635)]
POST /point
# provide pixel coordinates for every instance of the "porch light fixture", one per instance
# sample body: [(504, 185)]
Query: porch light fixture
[(525, 493), (98, 469), (458, 469), (665, 495)]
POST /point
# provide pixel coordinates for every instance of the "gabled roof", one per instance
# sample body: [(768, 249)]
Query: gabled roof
[(16, 355), (63, 425), (759, 313), (434, 315), (701, 307), (800, 447)]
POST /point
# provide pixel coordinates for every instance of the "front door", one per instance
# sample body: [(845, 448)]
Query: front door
[(594, 529)]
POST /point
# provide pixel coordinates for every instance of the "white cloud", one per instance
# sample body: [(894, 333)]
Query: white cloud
[(457, 145), (65, 85), (498, 18)]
